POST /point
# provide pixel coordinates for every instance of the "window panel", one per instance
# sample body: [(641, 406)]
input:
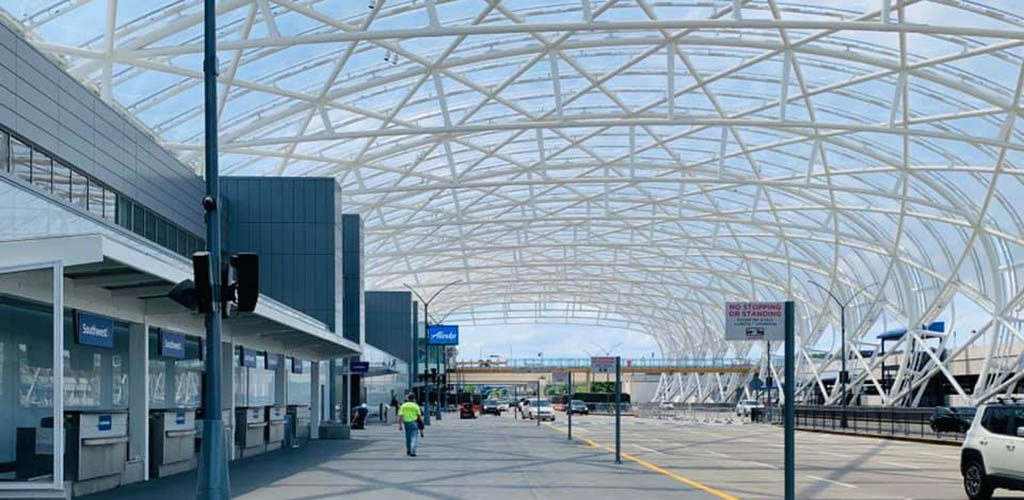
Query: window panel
[(42, 169), (95, 198), (172, 237), (150, 226), (79, 189), (61, 181), (5, 163), (21, 160), (161, 232), (182, 247), (124, 212), (138, 220), (110, 206)]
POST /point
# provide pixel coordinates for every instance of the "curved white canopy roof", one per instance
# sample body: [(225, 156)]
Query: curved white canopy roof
[(632, 162)]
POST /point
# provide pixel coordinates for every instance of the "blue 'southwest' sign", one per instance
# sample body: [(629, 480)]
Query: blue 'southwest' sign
[(248, 358), (359, 367), (297, 365), (171, 345), (104, 423), (443, 335), (179, 418), (93, 330)]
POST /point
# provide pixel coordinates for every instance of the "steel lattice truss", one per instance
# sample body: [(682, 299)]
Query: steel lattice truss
[(633, 163)]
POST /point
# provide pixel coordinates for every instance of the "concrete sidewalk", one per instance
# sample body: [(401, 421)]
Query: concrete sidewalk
[(487, 458)]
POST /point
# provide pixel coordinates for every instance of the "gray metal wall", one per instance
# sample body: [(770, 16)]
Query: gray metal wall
[(352, 277), (47, 106), (291, 224), (389, 322)]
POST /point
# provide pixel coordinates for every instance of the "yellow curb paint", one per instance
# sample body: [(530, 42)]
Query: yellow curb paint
[(685, 480)]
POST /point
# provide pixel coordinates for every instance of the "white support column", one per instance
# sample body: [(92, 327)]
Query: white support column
[(138, 393), (314, 400)]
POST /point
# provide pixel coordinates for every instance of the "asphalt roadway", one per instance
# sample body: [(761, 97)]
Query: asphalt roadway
[(498, 458), (746, 460)]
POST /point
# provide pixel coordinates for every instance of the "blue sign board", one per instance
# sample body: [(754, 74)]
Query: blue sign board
[(359, 366), (443, 335), (297, 365), (179, 418), (171, 345), (105, 423), (272, 360), (248, 358), (93, 330)]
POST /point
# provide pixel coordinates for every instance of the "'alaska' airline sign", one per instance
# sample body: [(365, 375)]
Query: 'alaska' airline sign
[(443, 335)]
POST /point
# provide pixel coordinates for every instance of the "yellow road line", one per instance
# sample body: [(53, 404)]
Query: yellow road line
[(685, 480)]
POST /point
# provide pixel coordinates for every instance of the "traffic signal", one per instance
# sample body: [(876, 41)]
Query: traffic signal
[(247, 286), (240, 284), (203, 275)]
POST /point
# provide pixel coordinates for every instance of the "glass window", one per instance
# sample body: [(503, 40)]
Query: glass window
[(21, 160), (161, 232), (191, 246), (5, 164), (110, 206), (42, 169), (182, 246), (150, 226), (79, 189), (172, 237), (61, 181), (138, 219), (124, 212), (997, 420), (95, 198)]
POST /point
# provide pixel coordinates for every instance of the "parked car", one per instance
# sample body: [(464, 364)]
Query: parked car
[(540, 409), (503, 405), (987, 457), (952, 419), (745, 406), (466, 411), (578, 407), (490, 406)]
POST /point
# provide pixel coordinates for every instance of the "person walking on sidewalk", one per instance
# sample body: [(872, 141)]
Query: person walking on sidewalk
[(410, 414)]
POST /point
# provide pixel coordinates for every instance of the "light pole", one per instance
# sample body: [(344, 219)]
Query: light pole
[(426, 342), (842, 348)]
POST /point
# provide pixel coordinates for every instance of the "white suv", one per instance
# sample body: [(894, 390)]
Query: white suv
[(988, 457)]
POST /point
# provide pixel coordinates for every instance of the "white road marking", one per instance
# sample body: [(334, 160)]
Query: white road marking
[(762, 464), (847, 485), (650, 450), (895, 464), (717, 454)]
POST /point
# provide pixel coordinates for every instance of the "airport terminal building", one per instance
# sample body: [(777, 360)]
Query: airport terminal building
[(96, 225)]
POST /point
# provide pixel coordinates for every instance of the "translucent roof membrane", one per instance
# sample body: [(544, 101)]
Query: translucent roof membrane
[(631, 162)]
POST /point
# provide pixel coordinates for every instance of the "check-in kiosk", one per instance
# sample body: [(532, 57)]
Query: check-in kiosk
[(250, 431), (171, 441), (275, 427), (96, 449), (301, 419)]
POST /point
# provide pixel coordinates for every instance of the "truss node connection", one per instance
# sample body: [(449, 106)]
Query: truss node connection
[(630, 163)]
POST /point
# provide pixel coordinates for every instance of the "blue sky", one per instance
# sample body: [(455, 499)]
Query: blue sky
[(553, 340)]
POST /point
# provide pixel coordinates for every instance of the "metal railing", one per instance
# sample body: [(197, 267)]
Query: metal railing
[(871, 421), (584, 363)]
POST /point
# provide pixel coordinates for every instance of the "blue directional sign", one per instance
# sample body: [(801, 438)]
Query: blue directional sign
[(443, 335), (94, 330), (359, 367), (171, 345)]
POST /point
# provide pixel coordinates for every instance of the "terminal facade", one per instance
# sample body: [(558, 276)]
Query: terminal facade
[(96, 225)]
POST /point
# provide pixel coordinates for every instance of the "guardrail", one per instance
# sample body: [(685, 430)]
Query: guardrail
[(584, 363), (871, 421)]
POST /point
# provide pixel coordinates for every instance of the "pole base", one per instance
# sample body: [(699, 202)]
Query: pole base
[(213, 464)]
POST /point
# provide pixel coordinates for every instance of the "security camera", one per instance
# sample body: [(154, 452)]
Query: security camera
[(209, 203)]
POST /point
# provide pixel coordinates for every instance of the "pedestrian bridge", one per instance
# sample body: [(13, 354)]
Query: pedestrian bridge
[(581, 365)]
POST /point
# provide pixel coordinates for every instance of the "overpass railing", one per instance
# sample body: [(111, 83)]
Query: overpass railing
[(584, 363)]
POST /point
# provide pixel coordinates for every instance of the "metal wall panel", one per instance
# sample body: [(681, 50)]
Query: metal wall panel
[(389, 322), (271, 216), (44, 104)]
